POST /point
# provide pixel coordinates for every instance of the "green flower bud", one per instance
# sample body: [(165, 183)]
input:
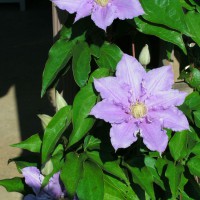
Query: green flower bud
[(144, 57), (47, 168), (60, 101), (45, 119)]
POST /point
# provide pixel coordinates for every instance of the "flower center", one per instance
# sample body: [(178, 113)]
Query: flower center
[(102, 2), (138, 110)]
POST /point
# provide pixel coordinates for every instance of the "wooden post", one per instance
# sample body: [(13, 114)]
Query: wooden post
[(178, 83), (58, 17)]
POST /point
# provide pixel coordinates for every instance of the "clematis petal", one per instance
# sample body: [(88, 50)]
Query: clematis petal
[(69, 5), (166, 99), (127, 9), (33, 178), (54, 186), (103, 16), (84, 10), (158, 79), (123, 135), (30, 197), (109, 112), (154, 137), (171, 118), (111, 89), (131, 72)]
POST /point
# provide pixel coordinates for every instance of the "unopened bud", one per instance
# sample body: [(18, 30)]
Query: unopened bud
[(144, 57), (47, 168), (45, 119), (60, 101)]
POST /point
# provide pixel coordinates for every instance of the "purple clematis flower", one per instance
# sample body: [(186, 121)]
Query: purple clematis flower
[(139, 101), (102, 12), (52, 191)]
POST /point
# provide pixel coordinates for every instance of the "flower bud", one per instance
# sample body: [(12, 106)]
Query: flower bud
[(144, 57), (47, 168), (60, 101), (45, 119)]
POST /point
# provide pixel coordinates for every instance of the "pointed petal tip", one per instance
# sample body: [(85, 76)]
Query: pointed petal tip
[(33, 178), (116, 147), (122, 135), (160, 149), (154, 137), (159, 79)]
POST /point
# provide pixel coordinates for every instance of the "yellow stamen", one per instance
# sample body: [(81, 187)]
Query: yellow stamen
[(102, 2), (138, 110)]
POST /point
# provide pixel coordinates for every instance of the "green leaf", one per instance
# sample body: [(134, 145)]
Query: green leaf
[(174, 173), (109, 56), (193, 138), (160, 163), (196, 149), (170, 14), (22, 164), (95, 50), (81, 63), (13, 185), (111, 167), (32, 144), (187, 111), (143, 178), (71, 172), (116, 190), (186, 5), (99, 73), (183, 182), (193, 165), (57, 161), (151, 163), (59, 55), (197, 118), (193, 23), (193, 101), (91, 143), (161, 32), (194, 78), (178, 145), (82, 123), (54, 130), (91, 185)]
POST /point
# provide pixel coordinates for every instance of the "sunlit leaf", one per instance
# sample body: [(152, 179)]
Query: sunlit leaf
[(32, 144), (54, 130)]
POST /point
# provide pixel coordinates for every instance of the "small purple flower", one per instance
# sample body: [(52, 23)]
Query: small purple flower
[(52, 191), (139, 101), (102, 12)]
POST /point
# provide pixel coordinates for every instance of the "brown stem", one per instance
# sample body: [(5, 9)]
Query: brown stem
[(133, 49)]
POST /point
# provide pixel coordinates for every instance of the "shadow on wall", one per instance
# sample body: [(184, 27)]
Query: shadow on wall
[(25, 41)]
